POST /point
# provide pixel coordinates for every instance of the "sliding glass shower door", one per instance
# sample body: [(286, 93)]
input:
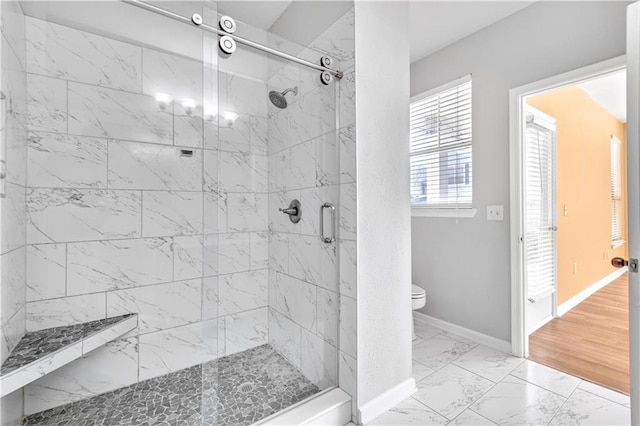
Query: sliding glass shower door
[(199, 190)]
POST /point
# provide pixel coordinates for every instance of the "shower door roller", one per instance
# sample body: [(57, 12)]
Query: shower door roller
[(326, 77), (227, 24), (196, 19), (227, 44)]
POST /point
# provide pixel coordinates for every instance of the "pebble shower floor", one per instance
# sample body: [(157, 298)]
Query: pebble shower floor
[(239, 389)]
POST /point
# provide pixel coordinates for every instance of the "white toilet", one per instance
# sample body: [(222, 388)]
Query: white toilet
[(418, 300)]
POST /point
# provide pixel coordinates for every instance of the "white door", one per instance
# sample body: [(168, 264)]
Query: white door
[(633, 175), (540, 228)]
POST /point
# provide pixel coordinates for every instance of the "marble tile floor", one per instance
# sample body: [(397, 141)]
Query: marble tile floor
[(463, 383), (235, 390)]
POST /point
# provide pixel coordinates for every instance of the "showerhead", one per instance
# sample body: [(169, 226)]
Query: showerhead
[(279, 100)]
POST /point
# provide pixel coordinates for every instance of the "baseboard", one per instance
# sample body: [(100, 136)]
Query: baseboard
[(540, 324), (386, 400), (492, 342), (584, 294)]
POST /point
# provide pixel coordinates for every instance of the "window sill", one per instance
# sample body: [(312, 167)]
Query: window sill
[(466, 212), (618, 243)]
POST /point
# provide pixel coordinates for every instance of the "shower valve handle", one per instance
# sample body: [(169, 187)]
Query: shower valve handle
[(294, 211), (291, 211)]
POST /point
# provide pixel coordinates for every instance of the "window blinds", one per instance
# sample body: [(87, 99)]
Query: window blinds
[(440, 146), (539, 238), (616, 191)]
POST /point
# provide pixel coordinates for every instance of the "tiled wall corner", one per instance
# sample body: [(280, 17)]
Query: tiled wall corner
[(13, 249)]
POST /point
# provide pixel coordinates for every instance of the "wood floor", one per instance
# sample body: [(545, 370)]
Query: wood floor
[(592, 340)]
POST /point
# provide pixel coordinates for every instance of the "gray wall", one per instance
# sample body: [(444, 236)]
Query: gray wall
[(382, 107), (464, 263)]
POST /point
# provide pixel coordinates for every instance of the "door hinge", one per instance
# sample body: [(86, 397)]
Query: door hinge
[(633, 265)]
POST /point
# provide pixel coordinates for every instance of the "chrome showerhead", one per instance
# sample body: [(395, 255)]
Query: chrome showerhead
[(279, 100)]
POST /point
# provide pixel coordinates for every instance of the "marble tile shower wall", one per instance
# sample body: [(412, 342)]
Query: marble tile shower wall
[(118, 221), (312, 285), (13, 228)]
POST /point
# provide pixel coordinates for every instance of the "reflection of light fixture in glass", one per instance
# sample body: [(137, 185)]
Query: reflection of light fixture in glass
[(188, 105), (230, 118), (163, 100), (210, 112)]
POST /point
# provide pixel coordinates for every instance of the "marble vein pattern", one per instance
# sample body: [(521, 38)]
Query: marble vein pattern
[(547, 378), (236, 390), (65, 53), (148, 166), (451, 390), (65, 311), (159, 307), (440, 350), (61, 215), (101, 112), (285, 336), (169, 213), (294, 299), (486, 387), (46, 104), (62, 161), (245, 330), (117, 264), (488, 363), (410, 412), (46, 275), (178, 77), (584, 408), (91, 375), (516, 402), (13, 218), (243, 291), (173, 349), (318, 361)]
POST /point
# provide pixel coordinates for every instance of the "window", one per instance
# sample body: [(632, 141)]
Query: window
[(616, 193), (440, 146)]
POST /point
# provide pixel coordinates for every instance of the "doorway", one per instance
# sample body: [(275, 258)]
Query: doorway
[(571, 220)]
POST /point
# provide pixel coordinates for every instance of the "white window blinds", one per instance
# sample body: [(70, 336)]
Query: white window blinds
[(616, 191), (440, 146), (539, 237)]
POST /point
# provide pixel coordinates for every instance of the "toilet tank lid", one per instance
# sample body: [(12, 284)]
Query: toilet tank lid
[(417, 291)]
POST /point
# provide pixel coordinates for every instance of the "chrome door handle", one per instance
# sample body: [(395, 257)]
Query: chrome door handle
[(332, 208)]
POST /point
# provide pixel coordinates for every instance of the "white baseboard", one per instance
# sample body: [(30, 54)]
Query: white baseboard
[(584, 294), (386, 400), (492, 342), (540, 324)]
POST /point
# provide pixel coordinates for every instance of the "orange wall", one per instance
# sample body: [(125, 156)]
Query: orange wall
[(584, 131)]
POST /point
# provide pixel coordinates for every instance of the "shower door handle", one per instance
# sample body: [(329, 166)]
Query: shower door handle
[(332, 209)]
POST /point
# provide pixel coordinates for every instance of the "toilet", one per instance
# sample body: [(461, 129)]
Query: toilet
[(418, 300)]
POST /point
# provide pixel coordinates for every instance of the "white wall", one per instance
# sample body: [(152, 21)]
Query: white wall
[(383, 217), (464, 263)]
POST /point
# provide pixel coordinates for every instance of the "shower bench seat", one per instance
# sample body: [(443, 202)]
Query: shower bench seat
[(40, 352)]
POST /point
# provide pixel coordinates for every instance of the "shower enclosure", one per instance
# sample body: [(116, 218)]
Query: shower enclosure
[(211, 194)]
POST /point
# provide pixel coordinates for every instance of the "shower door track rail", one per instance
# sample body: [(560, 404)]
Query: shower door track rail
[(338, 74)]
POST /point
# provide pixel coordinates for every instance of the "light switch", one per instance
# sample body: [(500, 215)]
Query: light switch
[(495, 212)]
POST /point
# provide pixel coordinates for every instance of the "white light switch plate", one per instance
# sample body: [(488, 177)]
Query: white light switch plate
[(495, 212)]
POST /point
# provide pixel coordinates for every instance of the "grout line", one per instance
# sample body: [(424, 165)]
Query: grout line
[(66, 269)]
